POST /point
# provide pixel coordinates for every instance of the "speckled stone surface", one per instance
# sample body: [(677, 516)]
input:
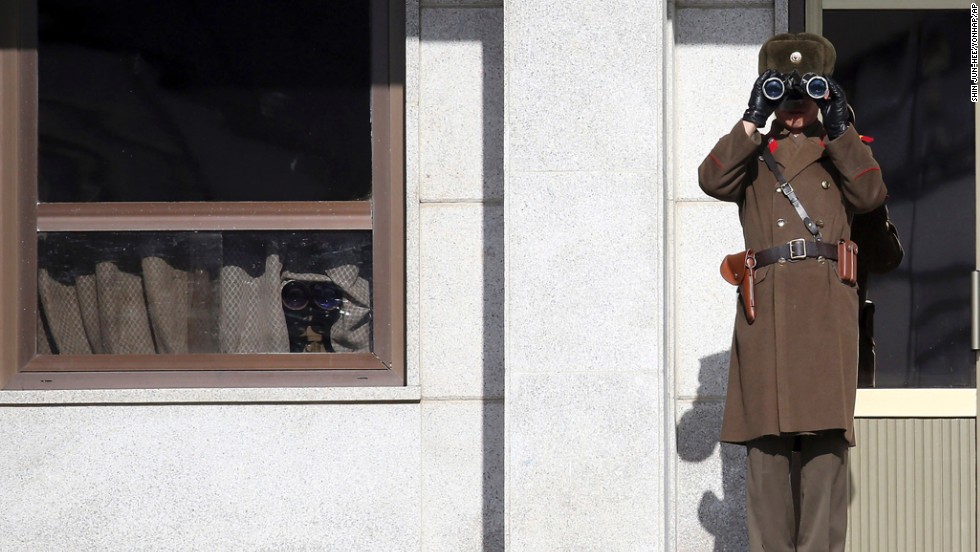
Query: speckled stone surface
[(192, 477), (584, 298), (725, 3), (412, 337), (781, 16), (716, 63), (704, 303), (585, 453), (462, 3), (215, 396), (462, 300), (583, 290), (461, 104), (710, 482), (459, 168), (586, 78), (585, 418), (463, 476)]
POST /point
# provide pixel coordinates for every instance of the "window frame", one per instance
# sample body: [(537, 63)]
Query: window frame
[(22, 218), (902, 402)]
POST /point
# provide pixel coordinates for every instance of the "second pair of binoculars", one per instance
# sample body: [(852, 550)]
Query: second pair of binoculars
[(779, 85), (298, 295)]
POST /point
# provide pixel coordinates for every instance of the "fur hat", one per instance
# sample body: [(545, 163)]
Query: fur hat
[(801, 52)]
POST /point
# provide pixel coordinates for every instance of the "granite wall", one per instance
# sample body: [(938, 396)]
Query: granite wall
[(715, 60), (583, 219), (596, 115)]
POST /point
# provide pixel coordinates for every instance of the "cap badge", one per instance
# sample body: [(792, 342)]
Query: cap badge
[(796, 57)]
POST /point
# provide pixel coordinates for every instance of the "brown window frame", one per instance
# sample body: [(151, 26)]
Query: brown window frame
[(22, 218)]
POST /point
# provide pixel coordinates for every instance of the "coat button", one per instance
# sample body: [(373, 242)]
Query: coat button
[(780, 223), (824, 185), (820, 223)]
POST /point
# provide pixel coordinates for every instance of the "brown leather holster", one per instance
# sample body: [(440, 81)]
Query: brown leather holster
[(738, 269), (847, 252)]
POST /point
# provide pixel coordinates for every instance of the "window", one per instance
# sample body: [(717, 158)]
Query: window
[(201, 194), (901, 65), (903, 79)]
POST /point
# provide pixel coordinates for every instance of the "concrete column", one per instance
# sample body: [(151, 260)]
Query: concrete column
[(458, 174), (583, 202), (716, 42)]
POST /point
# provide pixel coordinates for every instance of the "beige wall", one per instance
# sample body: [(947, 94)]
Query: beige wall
[(616, 346), (418, 468), (715, 53), (583, 204), (458, 181)]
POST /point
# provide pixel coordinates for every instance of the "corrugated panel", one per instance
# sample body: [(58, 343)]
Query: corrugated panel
[(913, 486)]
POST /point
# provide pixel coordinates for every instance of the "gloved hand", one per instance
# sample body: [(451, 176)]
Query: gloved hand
[(834, 109), (760, 107)]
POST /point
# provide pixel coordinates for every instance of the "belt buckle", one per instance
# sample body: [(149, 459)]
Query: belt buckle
[(797, 249)]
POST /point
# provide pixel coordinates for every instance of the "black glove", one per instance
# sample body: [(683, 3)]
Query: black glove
[(834, 109), (760, 107)]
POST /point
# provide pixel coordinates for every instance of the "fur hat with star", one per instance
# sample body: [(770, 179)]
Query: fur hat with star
[(801, 52)]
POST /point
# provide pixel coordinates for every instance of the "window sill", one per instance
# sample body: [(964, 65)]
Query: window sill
[(916, 403), (211, 396)]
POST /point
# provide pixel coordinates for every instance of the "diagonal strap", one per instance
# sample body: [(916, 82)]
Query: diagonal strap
[(787, 191)]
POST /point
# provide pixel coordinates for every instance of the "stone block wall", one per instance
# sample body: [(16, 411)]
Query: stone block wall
[(583, 202), (715, 60), (418, 468), (458, 117), (617, 325)]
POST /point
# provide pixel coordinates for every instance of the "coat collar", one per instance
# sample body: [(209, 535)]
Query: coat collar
[(793, 158)]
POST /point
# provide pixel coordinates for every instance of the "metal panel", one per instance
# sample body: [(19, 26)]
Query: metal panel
[(913, 485), (975, 310), (894, 5)]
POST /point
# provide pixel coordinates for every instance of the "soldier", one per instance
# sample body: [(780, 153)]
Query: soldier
[(793, 370)]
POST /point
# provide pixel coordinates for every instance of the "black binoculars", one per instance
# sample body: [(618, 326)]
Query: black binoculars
[(298, 295), (311, 308), (777, 86)]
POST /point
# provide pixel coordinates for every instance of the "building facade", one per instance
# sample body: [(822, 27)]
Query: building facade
[(566, 332)]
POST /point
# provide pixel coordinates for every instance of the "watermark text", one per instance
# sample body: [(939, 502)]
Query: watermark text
[(974, 51)]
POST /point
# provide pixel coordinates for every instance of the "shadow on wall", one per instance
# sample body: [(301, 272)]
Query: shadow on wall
[(482, 26), (697, 440)]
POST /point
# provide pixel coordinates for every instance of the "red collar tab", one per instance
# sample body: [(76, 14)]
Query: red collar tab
[(773, 145), (866, 139)]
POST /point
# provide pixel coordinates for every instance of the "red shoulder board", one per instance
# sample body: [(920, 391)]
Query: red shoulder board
[(867, 139), (773, 145)]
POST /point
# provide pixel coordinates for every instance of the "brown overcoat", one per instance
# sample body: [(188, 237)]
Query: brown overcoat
[(794, 370)]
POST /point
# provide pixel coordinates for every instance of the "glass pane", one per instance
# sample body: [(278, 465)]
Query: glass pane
[(184, 100), (204, 292), (906, 73)]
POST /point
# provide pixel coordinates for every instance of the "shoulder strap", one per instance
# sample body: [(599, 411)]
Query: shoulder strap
[(787, 191)]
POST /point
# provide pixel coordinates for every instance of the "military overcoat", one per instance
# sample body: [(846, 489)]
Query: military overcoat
[(794, 370)]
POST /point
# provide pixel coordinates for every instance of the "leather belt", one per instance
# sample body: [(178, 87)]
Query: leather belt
[(796, 250)]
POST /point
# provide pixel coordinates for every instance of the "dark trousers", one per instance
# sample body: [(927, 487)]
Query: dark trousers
[(823, 500)]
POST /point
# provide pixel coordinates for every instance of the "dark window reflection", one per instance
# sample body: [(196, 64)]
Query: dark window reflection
[(906, 74), (185, 100)]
